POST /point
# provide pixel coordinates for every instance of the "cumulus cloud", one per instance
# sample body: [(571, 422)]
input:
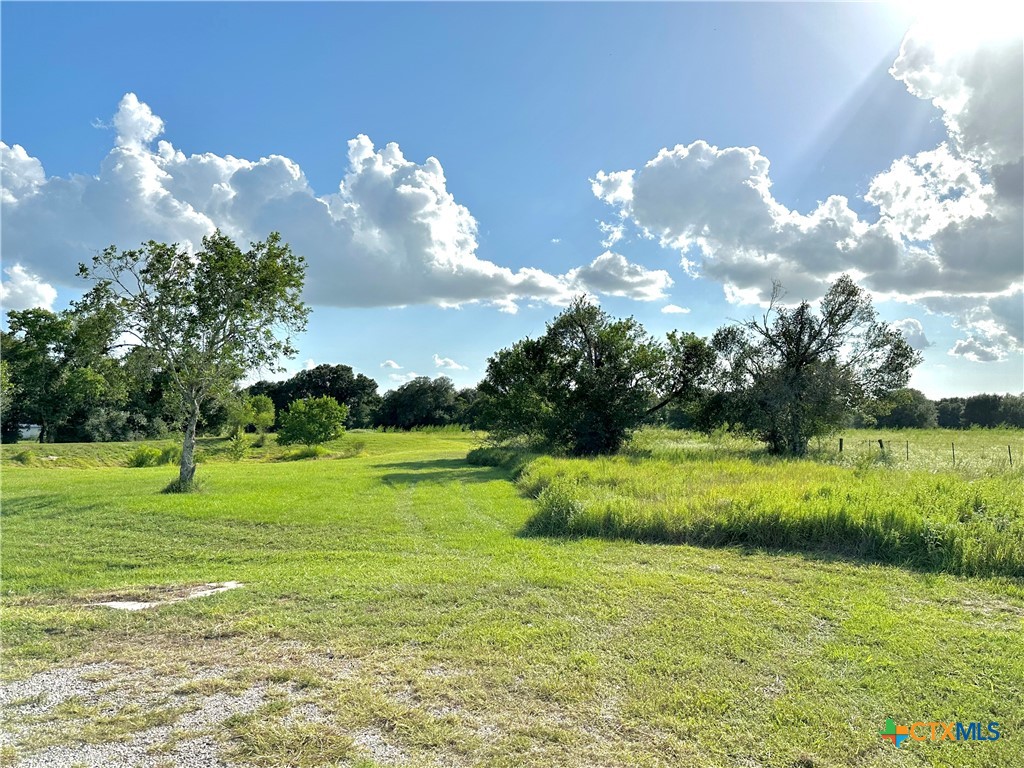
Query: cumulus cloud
[(24, 290), (674, 309), (447, 362), (391, 235), (612, 274), (949, 228), (390, 364), (977, 350), (913, 332)]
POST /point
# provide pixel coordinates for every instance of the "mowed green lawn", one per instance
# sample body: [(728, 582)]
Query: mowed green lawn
[(396, 591)]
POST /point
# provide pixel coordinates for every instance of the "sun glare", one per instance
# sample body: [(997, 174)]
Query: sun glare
[(957, 26)]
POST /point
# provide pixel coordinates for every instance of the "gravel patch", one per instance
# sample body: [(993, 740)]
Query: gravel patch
[(190, 742), (42, 692), (373, 741)]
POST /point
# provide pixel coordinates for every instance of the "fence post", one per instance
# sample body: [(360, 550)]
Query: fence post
[(954, 453), (841, 445), (1009, 451), (881, 446), (908, 450)]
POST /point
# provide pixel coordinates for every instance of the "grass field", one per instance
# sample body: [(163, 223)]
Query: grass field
[(397, 610), (676, 487)]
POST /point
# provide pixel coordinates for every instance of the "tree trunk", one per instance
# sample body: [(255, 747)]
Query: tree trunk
[(187, 470), (43, 431)]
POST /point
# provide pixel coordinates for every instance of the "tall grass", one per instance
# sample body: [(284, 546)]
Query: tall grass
[(689, 490)]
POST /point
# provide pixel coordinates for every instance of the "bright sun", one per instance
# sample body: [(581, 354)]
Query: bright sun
[(955, 26)]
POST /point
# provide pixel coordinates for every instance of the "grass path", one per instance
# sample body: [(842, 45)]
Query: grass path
[(393, 613)]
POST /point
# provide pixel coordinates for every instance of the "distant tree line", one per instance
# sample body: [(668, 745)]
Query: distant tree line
[(64, 372), (786, 376)]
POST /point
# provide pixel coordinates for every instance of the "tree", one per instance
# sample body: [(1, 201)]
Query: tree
[(422, 402), (1011, 410), (797, 374), (906, 409), (58, 366), (312, 421), (588, 381), (205, 318), (357, 391), (981, 411), (950, 412), (241, 415), (263, 413)]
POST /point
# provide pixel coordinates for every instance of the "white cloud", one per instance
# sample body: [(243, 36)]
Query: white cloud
[(447, 362), (402, 378), (391, 235), (977, 350), (310, 364), (24, 290), (674, 309), (390, 364), (612, 274), (949, 223), (913, 332), (612, 233), (556, 240)]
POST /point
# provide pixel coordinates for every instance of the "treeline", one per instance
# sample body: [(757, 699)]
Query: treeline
[(66, 373), (421, 402), (902, 409)]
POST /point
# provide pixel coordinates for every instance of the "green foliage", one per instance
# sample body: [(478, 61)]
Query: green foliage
[(905, 409), (794, 374), (357, 391), (237, 446), (57, 366), (263, 413), (144, 456), (205, 318), (312, 421), (588, 381), (422, 402)]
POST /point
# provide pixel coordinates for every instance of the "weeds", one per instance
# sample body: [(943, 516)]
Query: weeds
[(870, 509)]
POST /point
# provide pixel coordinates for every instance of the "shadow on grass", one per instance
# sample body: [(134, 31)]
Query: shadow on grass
[(439, 471), (42, 507)]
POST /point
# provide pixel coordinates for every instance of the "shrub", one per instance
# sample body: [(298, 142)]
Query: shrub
[(170, 455), (237, 447), (312, 421), (145, 456)]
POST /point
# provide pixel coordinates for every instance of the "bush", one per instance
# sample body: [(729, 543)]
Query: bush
[(145, 456), (237, 447), (170, 455), (312, 421)]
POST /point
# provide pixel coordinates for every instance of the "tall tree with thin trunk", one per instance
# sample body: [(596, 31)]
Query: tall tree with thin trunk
[(206, 318)]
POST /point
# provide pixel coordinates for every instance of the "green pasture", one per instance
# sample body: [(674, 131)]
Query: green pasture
[(397, 588)]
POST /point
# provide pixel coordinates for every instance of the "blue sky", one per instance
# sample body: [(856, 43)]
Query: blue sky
[(546, 120)]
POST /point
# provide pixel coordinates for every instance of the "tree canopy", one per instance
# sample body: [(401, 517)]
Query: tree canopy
[(588, 381), (794, 373), (204, 318)]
